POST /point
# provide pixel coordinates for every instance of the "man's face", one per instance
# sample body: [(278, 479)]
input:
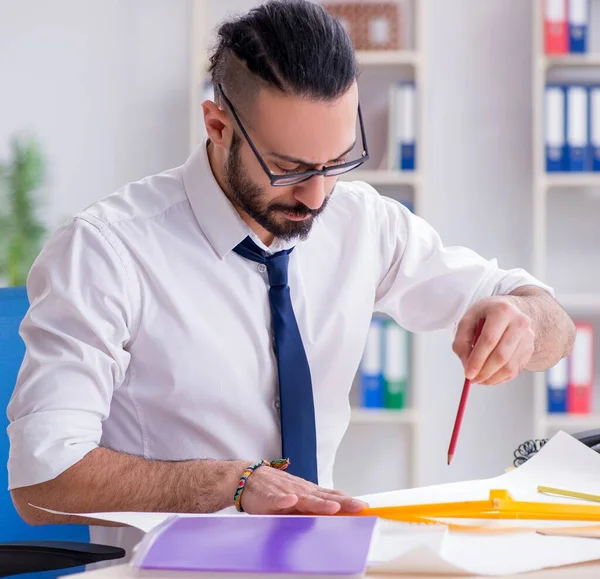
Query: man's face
[(292, 135)]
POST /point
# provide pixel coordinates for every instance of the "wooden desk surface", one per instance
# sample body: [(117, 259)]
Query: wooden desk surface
[(583, 571)]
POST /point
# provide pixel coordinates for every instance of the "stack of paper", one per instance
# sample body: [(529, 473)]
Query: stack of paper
[(563, 462), (397, 547)]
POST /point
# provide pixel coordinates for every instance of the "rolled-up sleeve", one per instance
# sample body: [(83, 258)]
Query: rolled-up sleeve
[(76, 333), (427, 286)]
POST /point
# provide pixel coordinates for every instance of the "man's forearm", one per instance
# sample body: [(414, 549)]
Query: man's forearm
[(554, 330), (105, 480)]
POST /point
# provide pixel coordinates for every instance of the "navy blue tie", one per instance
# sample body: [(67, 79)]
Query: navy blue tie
[(298, 432)]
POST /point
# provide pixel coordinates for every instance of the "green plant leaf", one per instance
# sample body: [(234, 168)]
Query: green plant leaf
[(21, 232)]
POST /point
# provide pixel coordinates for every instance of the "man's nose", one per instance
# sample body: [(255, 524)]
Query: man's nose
[(311, 192)]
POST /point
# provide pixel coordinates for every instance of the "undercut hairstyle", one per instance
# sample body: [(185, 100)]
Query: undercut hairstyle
[(294, 46)]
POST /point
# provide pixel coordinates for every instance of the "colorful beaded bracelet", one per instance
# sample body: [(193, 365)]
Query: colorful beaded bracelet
[(279, 464)]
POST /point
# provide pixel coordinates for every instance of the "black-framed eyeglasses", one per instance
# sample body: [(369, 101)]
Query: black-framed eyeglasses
[(293, 179)]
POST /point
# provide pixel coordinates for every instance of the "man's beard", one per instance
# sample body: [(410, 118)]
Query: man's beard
[(250, 198)]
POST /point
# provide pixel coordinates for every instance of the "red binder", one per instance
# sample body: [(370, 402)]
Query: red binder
[(556, 27), (581, 370)]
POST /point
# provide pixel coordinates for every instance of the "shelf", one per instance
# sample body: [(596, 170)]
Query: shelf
[(571, 60), (587, 179), (588, 303), (387, 57), (382, 416), (572, 422), (364, 57), (382, 177)]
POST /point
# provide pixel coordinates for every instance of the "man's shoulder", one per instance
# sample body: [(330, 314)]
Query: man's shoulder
[(144, 199)]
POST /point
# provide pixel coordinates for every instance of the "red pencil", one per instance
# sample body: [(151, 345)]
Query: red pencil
[(463, 401)]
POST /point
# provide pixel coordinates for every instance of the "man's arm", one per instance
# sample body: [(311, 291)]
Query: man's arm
[(524, 330), (105, 481), (553, 329)]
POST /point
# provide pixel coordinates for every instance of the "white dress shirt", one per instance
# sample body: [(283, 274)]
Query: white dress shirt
[(148, 335)]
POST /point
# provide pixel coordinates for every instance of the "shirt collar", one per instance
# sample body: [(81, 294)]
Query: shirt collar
[(217, 217)]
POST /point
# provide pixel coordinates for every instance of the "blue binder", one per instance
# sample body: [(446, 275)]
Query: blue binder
[(594, 128), (371, 367), (404, 119), (577, 128), (557, 380), (579, 14), (555, 127)]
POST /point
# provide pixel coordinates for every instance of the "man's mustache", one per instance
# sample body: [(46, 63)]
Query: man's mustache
[(301, 210)]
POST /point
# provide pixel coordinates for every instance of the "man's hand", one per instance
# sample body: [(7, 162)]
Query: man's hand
[(272, 491), (506, 343)]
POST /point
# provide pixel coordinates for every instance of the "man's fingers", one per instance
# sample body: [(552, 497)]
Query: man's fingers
[(463, 340), (502, 375), (491, 334), (347, 504), (268, 502), (343, 495), (316, 505), (331, 491), (282, 501), (501, 356), (512, 369)]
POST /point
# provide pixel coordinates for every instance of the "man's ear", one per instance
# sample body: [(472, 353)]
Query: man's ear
[(217, 123)]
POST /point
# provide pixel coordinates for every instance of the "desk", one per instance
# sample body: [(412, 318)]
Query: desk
[(583, 571)]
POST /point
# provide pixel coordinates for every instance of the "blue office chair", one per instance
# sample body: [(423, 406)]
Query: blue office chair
[(24, 548)]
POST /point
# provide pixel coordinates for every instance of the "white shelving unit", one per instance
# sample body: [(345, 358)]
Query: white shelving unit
[(382, 177), (377, 416), (405, 421), (545, 185), (388, 57)]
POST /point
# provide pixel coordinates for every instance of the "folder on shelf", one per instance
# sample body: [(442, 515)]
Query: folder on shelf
[(581, 370), (577, 128), (395, 365), (578, 25), (557, 380), (402, 127), (555, 137), (556, 37), (371, 367), (262, 545), (594, 136)]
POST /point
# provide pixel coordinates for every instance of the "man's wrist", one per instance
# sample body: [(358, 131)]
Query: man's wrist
[(224, 478), (236, 472)]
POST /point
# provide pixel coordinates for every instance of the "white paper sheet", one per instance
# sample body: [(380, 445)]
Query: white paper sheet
[(562, 463), (143, 521)]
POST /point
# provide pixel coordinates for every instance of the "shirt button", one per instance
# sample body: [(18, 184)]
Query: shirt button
[(277, 404), (262, 267)]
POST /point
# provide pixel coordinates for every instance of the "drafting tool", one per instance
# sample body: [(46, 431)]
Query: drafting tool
[(566, 493), (500, 505)]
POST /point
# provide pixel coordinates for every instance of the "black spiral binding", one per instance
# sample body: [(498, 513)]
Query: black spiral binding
[(526, 450)]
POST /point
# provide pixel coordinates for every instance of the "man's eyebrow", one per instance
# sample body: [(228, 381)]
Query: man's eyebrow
[(307, 163)]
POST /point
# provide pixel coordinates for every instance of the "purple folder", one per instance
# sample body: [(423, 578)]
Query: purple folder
[(259, 544)]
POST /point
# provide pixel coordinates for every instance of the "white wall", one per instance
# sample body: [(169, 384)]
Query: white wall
[(102, 83), (479, 194)]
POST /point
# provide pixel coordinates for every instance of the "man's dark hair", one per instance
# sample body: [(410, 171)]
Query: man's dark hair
[(294, 46)]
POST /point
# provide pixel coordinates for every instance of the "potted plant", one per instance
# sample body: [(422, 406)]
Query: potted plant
[(21, 233)]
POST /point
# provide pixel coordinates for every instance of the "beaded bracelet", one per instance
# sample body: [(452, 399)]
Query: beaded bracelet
[(279, 464)]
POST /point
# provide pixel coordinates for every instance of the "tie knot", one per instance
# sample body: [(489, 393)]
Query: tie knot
[(277, 268), (277, 264)]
